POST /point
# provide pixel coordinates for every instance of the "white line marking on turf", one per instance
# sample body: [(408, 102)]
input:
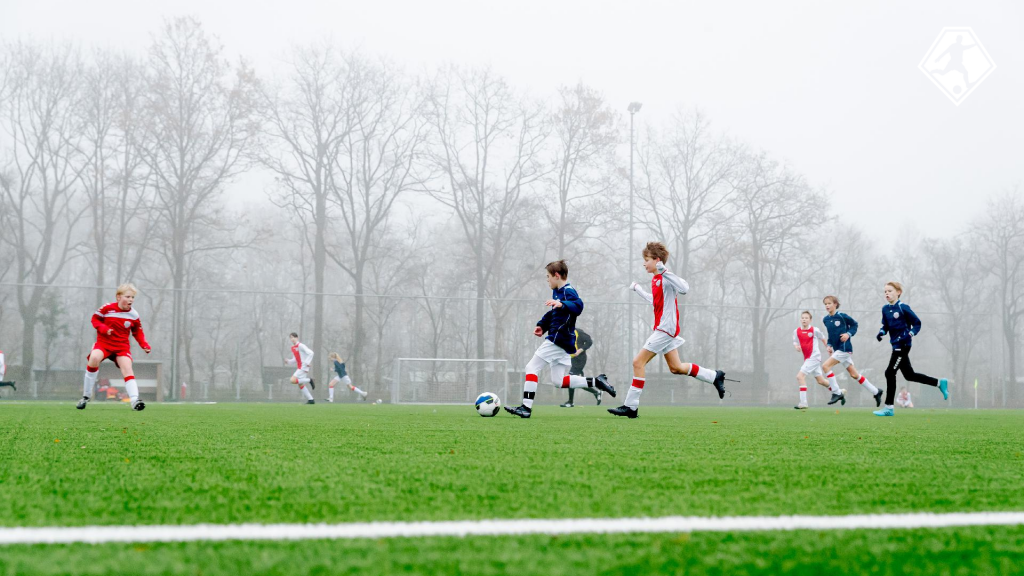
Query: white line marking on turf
[(669, 524)]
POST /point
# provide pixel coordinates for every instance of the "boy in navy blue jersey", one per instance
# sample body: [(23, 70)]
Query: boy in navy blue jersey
[(901, 324), (841, 328), (559, 326)]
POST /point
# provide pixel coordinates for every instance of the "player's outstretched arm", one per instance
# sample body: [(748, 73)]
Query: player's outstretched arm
[(675, 282), (643, 294)]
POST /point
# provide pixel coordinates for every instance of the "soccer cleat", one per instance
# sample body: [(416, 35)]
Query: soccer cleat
[(625, 411), (331, 400), (837, 398), (312, 384), (719, 383), (884, 412), (843, 392), (138, 405), (599, 394), (601, 383), (81, 403), (944, 388), (566, 405), (800, 407), (878, 399), (521, 411), (310, 401), (363, 394)]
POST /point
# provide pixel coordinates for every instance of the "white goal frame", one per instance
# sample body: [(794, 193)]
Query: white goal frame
[(396, 380)]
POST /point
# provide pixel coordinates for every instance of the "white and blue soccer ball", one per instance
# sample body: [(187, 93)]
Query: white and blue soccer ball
[(487, 404)]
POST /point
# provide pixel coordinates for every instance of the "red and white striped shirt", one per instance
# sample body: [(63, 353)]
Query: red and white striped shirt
[(805, 339), (665, 287)]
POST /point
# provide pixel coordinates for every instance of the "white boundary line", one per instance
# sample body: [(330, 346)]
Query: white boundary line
[(668, 524)]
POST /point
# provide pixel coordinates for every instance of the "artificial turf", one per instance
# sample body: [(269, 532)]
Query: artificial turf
[(226, 463)]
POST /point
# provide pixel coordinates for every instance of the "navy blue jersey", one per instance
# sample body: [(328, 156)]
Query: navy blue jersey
[(339, 367), (837, 325), (900, 323), (560, 323)]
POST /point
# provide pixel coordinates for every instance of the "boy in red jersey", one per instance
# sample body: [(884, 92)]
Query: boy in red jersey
[(114, 322), (665, 340)]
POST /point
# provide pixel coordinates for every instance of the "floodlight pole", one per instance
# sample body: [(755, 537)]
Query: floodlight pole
[(633, 108)]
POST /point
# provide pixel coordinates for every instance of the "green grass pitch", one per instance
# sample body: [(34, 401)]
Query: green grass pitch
[(228, 463)]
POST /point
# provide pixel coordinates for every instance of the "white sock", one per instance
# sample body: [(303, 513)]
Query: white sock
[(305, 391), (702, 374), (132, 388), (358, 391), (888, 407), (529, 390), (803, 394), (89, 383), (330, 393), (303, 380), (833, 386), (633, 395), (868, 385), (577, 382)]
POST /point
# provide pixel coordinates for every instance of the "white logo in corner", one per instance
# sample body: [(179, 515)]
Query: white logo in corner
[(957, 63), (127, 324)]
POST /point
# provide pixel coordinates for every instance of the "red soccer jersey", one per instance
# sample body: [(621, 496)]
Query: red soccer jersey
[(805, 338), (122, 322), (669, 324)]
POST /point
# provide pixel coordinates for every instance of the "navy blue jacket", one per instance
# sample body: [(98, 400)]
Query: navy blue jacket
[(339, 367), (900, 322), (560, 323), (837, 325)]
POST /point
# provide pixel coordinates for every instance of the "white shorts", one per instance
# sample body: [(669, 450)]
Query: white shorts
[(346, 380), (661, 343), (812, 367), (552, 354), (301, 373), (844, 358)]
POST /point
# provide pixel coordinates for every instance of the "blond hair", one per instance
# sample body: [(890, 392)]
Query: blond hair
[(127, 287), (896, 285), (334, 356)]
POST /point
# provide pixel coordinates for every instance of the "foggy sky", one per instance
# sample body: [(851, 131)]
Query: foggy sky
[(835, 91)]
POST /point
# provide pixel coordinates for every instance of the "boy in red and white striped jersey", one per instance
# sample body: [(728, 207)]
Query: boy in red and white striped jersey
[(114, 323), (665, 287), (804, 340), (302, 359)]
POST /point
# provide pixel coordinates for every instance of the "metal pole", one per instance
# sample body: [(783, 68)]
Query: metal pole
[(629, 251)]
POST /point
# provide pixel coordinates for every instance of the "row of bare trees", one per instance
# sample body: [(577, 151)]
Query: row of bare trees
[(432, 202)]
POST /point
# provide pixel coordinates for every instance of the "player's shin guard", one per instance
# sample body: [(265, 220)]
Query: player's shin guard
[(90, 381), (132, 387), (633, 395), (803, 394), (305, 391), (330, 392), (529, 390), (702, 374), (868, 385), (833, 386)]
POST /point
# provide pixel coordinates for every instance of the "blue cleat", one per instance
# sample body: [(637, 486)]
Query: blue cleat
[(884, 412), (944, 388)]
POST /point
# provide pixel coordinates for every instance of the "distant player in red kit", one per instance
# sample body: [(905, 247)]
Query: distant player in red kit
[(114, 322)]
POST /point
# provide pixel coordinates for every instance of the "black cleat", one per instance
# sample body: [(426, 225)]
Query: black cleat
[(310, 401), (837, 398), (719, 383), (81, 403), (312, 384), (878, 399), (138, 405), (800, 407), (521, 411), (625, 411), (599, 394), (566, 405), (601, 383)]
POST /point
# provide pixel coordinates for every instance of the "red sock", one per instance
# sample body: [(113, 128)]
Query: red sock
[(638, 383)]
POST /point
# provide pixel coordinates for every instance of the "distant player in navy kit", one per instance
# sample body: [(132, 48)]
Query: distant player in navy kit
[(841, 328), (579, 361), (558, 328), (341, 377), (901, 324)]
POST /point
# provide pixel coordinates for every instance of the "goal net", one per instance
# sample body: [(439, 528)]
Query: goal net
[(447, 380)]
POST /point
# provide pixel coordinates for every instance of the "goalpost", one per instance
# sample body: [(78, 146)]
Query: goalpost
[(447, 380)]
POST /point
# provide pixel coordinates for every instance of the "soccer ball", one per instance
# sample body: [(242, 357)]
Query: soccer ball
[(487, 404)]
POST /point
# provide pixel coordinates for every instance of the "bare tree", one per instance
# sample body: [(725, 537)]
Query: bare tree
[(1001, 232), (587, 132), (954, 270), (201, 125), (40, 204), (489, 146), (773, 205), (379, 160)]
